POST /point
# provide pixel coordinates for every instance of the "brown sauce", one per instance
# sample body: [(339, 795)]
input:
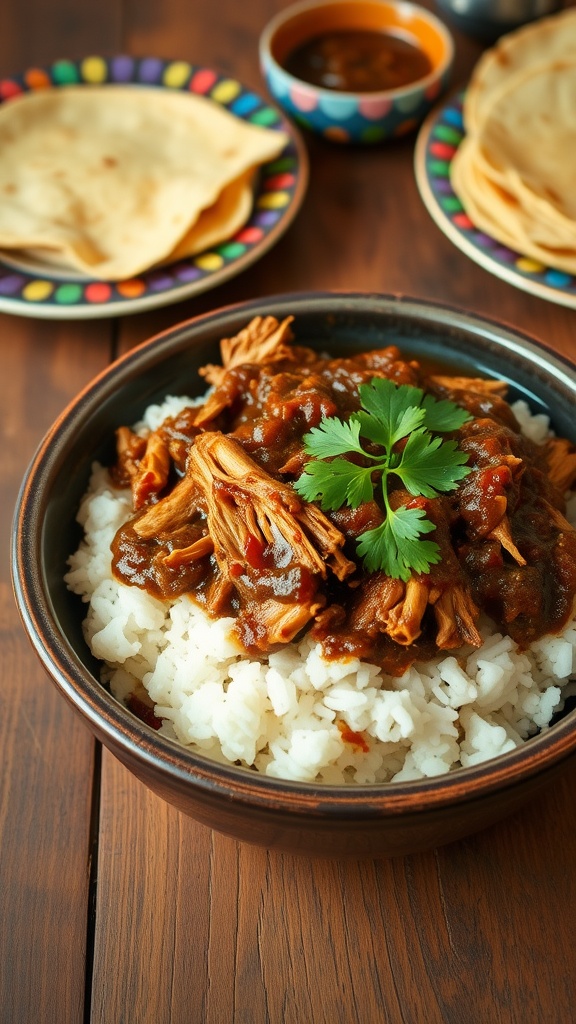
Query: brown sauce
[(519, 567), (358, 61)]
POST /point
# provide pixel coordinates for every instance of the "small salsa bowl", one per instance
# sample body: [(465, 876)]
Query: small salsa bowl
[(356, 116), (312, 819)]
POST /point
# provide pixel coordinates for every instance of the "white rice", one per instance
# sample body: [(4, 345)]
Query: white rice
[(279, 715)]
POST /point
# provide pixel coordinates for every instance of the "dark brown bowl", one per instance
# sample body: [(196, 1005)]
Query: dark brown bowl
[(375, 820)]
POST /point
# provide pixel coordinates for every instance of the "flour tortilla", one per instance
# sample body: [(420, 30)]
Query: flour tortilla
[(515, 170), (499, 213), (541, 42), (215, 224), (113, 180), (221, 220), (515, 176), (529, 133)]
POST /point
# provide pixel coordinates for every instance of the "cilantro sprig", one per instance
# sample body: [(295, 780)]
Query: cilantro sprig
[(401, 423)]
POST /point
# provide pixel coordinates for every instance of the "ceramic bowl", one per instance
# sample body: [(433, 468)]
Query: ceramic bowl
[(361, 117), (377, 820)]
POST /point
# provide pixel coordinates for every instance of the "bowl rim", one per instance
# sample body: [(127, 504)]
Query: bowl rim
[(122, 731), (284, 16)]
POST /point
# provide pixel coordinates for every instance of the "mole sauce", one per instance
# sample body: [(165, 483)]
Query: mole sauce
[(253, 571), (358, 61)]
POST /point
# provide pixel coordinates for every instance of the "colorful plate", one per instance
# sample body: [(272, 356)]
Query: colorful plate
[(437, 142), (35, 289)]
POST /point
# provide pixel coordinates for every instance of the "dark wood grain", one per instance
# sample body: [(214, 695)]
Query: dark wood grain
[(261, 937), (187, 926), (46, 755)]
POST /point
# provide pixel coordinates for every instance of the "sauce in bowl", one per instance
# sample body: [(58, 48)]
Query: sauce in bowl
[(358, 60)]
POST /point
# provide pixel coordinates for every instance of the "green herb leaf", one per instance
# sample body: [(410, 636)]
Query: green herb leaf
[(333, 437), (442, 415), (336, 483), (395, 546), (430, 465), (393, 410), (426, 465)]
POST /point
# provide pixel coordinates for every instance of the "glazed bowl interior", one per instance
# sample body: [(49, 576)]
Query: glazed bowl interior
[(302, 22), (378, 819)]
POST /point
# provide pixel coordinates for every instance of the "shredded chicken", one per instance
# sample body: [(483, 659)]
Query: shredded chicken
[(220, 399), (245, 505), (561, 461), (219, 595), (183, 556), (375, 597), (170, 512), (503, 533), (404, 621), (263, 340), (403, 609), (255, 523), (129, 450), (558, 519), (456, 616), (233, 531), (277, 622), (151, 475), (478, 385)]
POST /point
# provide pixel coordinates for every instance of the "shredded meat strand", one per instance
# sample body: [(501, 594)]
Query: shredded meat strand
[(477, 385), (170, 512), (263, 340), (503, 534), (216, 514), (456, 615), (183, 556), (129, 450), (282, 622), (152, 473), (561, 462), (257, 505), (404, 621)]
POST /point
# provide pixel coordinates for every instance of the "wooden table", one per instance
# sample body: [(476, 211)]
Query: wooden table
[(114, 907)]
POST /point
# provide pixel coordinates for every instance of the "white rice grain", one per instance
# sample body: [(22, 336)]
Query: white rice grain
[(287, 714)]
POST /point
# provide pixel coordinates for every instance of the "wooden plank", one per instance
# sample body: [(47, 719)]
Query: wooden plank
[(214, 932), (158, 932), (210, 931), (46, 754), (191, 927), (34, 34)]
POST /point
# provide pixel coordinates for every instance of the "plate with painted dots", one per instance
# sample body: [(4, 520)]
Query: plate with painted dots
[(437, 143), (32, 288)]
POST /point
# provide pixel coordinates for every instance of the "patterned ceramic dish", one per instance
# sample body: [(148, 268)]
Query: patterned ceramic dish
[(33, 288), (436, 147), (356, 116), (308, 818)]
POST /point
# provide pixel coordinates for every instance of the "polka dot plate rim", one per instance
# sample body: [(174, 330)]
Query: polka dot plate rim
[(438, 140), (34, 289)]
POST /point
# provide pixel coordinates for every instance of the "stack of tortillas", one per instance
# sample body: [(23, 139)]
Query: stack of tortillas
[(515, 171), (113, 180)]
